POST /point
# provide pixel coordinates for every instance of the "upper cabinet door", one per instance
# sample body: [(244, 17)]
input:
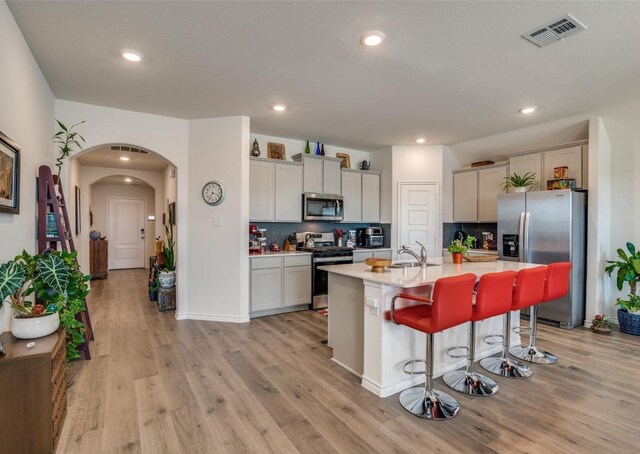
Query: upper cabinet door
[(331, 177), (465, 197), (370, 198), (288, 193), (489, 181), (570, 157), (352, 196), (313, 179), (261, 191), (526, 163)]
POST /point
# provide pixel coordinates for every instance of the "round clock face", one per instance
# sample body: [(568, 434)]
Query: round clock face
[(213, 193)]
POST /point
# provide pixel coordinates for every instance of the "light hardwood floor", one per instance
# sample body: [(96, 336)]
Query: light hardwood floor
[(156, 385)]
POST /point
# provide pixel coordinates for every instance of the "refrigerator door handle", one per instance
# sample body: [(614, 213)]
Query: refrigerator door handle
[(525, 232), (521, 222)]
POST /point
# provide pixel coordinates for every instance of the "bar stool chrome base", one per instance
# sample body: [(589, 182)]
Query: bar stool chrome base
[(434, 405), (533, 355), (506, 367), (470, 383)]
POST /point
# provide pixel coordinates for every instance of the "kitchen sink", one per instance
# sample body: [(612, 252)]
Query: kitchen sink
[(400, 265)]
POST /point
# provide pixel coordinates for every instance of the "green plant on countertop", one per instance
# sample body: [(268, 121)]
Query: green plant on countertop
[(517, 181), (65, 139), (54, 280), (458, 247), (627, 270)]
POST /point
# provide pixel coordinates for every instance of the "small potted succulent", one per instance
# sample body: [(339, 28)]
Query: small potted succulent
[(601, 324), (520, 183), (458, 248), (627, 269)]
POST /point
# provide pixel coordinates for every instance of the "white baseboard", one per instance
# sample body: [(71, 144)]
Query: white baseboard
[(212, 318), (346, 367)]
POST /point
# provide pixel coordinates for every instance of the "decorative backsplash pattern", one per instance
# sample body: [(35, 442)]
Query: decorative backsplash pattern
[(278, 232), (474, 229)]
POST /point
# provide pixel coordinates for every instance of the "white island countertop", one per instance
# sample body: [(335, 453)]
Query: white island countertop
[(416, 277)]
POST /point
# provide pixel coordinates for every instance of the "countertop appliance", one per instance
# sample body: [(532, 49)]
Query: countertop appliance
[(369, 237), (322, 207), (545, 227), (324, 252)]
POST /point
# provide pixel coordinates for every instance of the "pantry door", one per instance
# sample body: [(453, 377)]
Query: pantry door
[(126, 234), (418, 217)]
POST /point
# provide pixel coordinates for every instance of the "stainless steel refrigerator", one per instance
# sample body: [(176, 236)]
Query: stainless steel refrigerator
[(545, 227)]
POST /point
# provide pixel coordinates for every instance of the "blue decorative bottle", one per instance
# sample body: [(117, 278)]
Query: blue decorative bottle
[(318, 148)]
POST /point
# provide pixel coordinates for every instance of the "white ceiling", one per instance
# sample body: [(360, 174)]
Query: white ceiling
[(450, 71), (106, 157)]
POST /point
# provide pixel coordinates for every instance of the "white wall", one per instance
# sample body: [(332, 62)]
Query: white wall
[(294, 146), (27, 117), (100, 193), (382, 160), (219, 257)]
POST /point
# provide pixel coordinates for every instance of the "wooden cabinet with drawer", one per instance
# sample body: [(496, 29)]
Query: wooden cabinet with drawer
[(33, 400)]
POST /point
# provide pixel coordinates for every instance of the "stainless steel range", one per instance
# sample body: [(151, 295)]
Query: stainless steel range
[(325, 252)]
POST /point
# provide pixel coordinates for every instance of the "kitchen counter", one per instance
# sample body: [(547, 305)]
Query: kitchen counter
[(477, 251), (271, 254), (375, 349)]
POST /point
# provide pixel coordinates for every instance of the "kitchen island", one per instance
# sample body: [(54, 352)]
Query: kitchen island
[(374, 348)]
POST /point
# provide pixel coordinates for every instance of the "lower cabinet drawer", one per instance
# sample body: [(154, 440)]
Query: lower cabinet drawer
[(258, 263), (297, 260)]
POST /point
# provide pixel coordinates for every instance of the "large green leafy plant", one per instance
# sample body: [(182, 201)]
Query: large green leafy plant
[(66, 138), (627, 269), (42, 284)]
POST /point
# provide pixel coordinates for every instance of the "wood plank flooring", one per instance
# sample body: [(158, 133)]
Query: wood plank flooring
[(156, 385)]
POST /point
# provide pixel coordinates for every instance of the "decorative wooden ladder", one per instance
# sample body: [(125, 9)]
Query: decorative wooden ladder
[(54, 228)]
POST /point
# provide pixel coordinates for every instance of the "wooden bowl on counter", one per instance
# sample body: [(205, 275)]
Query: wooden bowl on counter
[(377, 265)]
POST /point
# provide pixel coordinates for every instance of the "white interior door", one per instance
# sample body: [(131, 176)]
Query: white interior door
[(418, 217), (126, 233)]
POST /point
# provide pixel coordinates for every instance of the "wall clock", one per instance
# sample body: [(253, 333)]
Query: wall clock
[(213, 193)]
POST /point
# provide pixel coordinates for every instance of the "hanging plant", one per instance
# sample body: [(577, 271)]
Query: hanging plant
[(66, 138)]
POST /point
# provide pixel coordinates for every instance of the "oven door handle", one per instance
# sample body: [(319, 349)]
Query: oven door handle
[(332, 259)]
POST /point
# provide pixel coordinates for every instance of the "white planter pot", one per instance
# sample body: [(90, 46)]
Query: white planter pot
[(520, 189), (6, 314), (30, 328), (167, 279)]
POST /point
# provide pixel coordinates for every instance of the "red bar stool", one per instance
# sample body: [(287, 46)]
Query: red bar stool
[(528, 290), (493, 297), (556, 286), (449, 306)]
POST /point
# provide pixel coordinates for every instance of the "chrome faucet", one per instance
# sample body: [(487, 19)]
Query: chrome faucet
[(422, 259)]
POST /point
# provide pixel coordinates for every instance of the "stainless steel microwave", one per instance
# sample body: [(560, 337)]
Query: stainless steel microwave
[(322, 207)]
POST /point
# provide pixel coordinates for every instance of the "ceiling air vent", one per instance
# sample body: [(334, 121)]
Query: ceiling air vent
[(554, 31), (128, 149)]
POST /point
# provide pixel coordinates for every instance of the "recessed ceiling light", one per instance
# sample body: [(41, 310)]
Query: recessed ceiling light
[(372, 38), (279, 107), (131, 55), (124, 158), (528, 109), (421, 140), (128, 180)]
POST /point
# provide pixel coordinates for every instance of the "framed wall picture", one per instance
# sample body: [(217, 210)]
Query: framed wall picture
[(346, 160), (9, 176), (276, 151), (78, 213)]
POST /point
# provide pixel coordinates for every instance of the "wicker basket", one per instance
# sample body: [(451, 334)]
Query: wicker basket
[(481, 258)]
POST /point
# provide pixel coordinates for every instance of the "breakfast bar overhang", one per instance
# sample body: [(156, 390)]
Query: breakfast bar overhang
[(374, 348)]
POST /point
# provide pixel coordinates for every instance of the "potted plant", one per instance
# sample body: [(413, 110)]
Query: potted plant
[(65, 139), (167, 275), (601, 324), (627, 270), (45, 290), (458, 248), (153, 290), (520, 183)]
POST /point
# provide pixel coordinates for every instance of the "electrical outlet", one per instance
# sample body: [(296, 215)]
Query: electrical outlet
[(217, 221), (372, 303)]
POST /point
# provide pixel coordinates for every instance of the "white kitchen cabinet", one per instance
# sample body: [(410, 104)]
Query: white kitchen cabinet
[(489, 181), (525, 163), (288, 194), (266, 289), (465, 196), (275, 191), (261, 190), (362, 255), (370, 198), (570, 157), (321, 173), (352, 196), (279, 283), (361, 196)]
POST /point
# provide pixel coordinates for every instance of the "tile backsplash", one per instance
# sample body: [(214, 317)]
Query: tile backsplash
[(278, 232), (474, 229)]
